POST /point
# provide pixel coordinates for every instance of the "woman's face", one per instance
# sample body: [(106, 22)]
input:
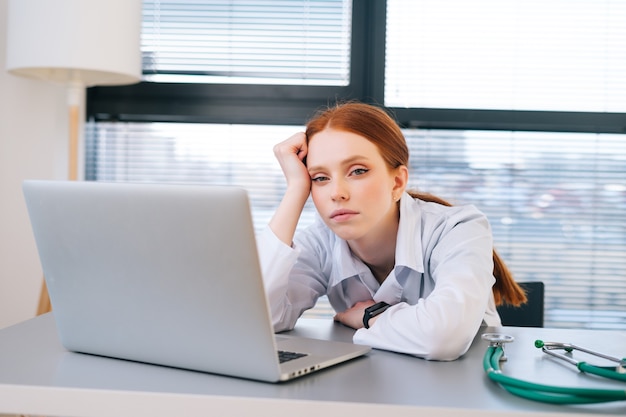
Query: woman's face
[(353, 190)]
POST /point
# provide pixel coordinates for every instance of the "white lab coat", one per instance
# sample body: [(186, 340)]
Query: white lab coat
[(440, 287)]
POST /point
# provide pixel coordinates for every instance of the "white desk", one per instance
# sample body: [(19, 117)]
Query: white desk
[(37, 376)]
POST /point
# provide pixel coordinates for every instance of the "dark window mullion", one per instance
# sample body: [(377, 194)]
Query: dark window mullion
[(512, 120)]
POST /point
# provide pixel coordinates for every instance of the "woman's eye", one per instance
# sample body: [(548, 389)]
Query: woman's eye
[(319, 178), (359, 171)]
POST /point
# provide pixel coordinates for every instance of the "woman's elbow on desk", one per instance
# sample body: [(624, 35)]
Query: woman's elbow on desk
[(447, 343), (448, 350), (444, 350), (283, 325)]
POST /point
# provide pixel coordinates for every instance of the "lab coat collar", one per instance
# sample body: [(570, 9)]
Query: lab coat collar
[(345, 264), (408, 246), (409, 251)]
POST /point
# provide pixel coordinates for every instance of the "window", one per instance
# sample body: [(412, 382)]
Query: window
[(491, 118), (535, 93), (214, 154), (557, 206), (244, 42), (241, 62), (555, 55)]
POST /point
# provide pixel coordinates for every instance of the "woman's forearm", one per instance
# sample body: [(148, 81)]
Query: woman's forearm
[(286, 217)]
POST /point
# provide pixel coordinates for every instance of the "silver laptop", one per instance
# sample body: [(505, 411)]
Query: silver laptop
[(164, 274)]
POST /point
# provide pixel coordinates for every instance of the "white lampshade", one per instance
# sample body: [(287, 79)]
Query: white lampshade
[(84, 42)]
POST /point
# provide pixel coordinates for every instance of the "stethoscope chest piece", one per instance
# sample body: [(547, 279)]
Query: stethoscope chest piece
[(498, 340)]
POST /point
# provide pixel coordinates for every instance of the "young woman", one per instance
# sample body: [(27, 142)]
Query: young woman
[(408, 271)]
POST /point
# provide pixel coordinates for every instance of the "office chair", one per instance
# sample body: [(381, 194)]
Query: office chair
[(529, 314)]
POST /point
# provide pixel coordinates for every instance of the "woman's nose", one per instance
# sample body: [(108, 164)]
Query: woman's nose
[(339, 191)]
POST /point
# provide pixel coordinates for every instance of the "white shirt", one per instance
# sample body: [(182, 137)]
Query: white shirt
[(439, 289)]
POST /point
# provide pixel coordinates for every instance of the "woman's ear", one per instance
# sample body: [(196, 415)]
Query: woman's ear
[(401, 179)]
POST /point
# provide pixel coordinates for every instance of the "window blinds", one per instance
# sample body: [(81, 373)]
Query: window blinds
[(557, 206), (556, 201), (301, 42), (210, 154), (553, 55)]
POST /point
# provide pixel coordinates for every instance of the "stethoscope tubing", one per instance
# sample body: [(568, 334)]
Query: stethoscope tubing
[(541, 392), (605, 372)]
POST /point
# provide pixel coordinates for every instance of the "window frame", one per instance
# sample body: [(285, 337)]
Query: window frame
[(293, 105), (244, 103)]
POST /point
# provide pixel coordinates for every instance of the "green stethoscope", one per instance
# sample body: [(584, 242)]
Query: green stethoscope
[(549, 393)]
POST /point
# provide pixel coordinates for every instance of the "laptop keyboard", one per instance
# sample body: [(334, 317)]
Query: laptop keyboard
[(285, 356)]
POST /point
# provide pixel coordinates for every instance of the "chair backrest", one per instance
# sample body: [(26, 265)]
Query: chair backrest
[(529, 314)]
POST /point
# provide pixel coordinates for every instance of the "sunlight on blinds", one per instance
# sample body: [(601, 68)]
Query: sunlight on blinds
[(553, 55), (299, 42), (556, 201), (210, 154), (557, 206)]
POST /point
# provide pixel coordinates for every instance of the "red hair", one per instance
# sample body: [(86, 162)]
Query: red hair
[(370, 122)]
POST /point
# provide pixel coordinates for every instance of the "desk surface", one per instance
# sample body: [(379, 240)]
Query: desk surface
[(38, 376)]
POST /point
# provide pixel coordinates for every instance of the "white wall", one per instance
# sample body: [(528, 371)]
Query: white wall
[(33, 144)]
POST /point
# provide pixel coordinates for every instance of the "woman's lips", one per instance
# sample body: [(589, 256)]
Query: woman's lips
[(342, 215)]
